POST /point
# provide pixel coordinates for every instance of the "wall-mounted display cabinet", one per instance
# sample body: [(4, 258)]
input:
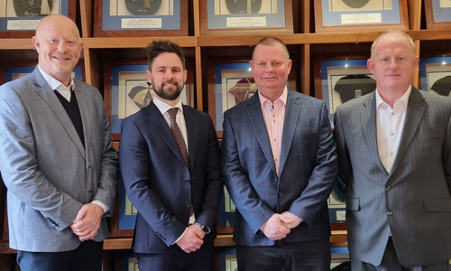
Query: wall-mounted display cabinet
[(216, 37)]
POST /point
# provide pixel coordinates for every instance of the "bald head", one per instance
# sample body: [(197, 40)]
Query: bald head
[(57, 41), (391, 36)]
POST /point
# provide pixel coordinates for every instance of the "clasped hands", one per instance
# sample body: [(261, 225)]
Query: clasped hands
[(193, 238), (280, 225), (87, 222)]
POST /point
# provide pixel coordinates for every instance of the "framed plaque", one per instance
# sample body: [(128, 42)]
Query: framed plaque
[(229, 84), (336, 203), (226, 215), (141, 18), (360, 15), (129, 261), (225, 17), (338, 81), (435, 75), (127, 91), (438, 14), (227, 259), (124, 214), (19, 18)]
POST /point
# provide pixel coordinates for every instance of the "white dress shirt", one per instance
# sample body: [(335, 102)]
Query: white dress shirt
[(389, 126)]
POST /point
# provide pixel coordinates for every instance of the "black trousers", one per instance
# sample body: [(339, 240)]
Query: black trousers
[(303, 256), (87, 257), (178, 260)]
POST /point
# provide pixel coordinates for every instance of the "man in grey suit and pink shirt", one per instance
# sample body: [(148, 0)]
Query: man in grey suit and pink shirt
[(56, 158), (394, 149)]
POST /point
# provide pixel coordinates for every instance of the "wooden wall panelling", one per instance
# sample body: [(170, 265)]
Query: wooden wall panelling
[(86, 18), (414, 14)]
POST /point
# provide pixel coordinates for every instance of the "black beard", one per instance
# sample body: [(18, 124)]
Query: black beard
[(170, 96)]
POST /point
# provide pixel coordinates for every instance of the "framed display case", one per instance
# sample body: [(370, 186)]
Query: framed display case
[(227, 259), (225, 17), (19, 18), (438, 14), (127, 90), (140, 18), (229, 83), (124, 214), (366, 15), (435, 75), (226, 214), (338, 81)]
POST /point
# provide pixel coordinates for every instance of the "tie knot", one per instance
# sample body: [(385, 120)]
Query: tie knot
[(173, 113)]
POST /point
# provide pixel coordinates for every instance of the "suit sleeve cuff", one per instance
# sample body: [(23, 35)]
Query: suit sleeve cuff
[(102, 205)]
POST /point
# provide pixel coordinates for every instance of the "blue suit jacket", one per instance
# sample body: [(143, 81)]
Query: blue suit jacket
[(159, 184), (308, 168)]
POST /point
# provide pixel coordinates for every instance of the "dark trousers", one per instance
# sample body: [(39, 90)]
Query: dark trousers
[(86, 257), (178, 260), (303, 256), (390, 262)]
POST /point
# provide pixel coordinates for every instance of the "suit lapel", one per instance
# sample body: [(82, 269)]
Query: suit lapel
[(258, 124), (294, 105), (414, 115), (156, 119), (55, 105), (84, 114), (368, 118), (191, 130)]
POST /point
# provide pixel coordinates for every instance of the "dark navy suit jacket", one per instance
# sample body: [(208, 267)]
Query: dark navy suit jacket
[(308, 168), (159, 184)]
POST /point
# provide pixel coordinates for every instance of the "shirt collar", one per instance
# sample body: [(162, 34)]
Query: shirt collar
[(164, 107), (53, 83), (404, 99), (282, 98)]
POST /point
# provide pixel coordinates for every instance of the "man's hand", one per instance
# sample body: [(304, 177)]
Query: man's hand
[(294, 220), (87, 222), (276, 227), (192, 239)]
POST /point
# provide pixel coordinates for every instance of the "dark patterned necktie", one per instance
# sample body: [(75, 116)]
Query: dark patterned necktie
[(175, 129), (178, 135)]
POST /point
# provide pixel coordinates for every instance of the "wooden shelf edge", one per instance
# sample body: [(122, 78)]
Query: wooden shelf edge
[(16, 44), (4, 248), (134, 42), (318, 38)]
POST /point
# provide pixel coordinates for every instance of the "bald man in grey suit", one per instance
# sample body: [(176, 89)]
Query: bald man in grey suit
[(394, 148)]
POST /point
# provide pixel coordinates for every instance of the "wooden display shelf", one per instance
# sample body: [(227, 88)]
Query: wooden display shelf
[(134, 42), (213, 41)]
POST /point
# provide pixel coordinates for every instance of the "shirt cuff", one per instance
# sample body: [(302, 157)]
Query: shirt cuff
[(102, 205), (178, 239)]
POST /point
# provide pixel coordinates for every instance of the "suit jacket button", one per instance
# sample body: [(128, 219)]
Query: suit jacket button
[(387, 188), (187, 181), (389, 213), (188, 204)]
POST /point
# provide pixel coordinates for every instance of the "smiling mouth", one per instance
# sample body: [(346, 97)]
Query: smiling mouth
[(61, 58)]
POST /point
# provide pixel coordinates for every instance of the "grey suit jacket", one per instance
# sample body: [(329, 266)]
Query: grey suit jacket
[(48, 172), (413, 200)]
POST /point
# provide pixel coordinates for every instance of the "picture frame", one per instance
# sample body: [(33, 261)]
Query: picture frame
[(438, 14), (336, 203), (227, 259), (226, 214), (127, 261), (139, 18), (345, 74), (126, 90), (19, 19), (435, 75), (332, 16), (222, 78), (225, 17), (123, 218)]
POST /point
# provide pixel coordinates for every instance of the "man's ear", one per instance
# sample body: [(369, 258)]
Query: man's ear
[(36, 43)]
